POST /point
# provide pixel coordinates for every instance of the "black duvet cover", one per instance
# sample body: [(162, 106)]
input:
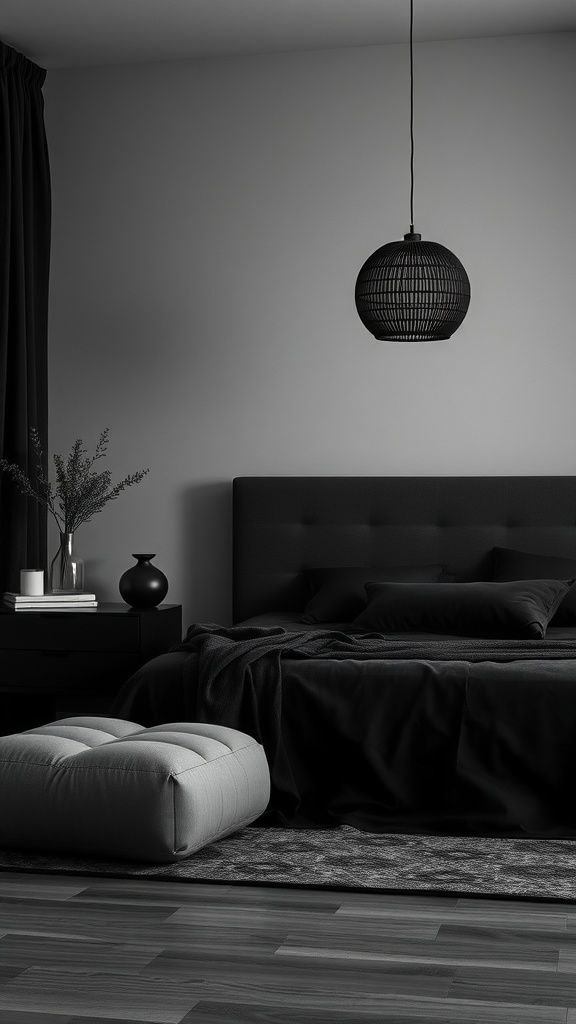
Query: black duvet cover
[(412, 734)]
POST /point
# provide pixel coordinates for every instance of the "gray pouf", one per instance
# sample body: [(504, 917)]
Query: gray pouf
[(109, 788)]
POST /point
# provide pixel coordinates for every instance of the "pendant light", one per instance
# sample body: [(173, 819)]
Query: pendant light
[(412, 290)]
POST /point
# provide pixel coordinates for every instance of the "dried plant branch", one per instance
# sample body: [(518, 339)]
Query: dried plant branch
[(80, 492)]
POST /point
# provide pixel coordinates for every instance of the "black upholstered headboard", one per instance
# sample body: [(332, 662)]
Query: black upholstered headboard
[(285, 524)]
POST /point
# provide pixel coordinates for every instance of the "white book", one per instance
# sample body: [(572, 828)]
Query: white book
[(75, 606), (49, 598)]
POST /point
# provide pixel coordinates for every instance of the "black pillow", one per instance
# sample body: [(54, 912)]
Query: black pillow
[(338, 594), (521, 565), (515, 610)]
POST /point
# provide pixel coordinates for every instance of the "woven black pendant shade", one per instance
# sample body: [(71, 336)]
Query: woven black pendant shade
[(412, 291)]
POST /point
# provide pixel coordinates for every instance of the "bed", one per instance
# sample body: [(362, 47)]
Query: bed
[(404, 648)]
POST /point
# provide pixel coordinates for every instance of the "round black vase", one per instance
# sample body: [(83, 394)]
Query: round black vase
[(143, 586)]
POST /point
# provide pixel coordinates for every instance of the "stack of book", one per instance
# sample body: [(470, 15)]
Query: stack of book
[(49, 602)]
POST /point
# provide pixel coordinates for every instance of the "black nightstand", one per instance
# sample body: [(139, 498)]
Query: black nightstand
[(54, 664)]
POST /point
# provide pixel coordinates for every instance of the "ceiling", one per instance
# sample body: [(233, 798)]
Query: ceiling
[(76, 33)]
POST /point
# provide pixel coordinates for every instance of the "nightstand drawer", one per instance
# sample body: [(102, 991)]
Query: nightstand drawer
[(69, 631), (56, 671)]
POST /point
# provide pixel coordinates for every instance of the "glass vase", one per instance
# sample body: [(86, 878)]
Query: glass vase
[(67, 569)]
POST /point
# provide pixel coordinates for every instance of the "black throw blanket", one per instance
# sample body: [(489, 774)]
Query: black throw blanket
[(391, 756)]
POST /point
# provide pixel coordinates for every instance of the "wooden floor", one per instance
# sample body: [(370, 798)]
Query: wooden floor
[(76, 950)]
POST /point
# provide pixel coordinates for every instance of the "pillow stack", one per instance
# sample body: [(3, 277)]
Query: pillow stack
[(526, 594)]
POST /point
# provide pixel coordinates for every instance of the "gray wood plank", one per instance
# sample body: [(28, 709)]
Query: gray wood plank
[(70, 992)]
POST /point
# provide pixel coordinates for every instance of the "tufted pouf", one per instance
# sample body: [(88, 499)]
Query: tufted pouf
[(108, 788)]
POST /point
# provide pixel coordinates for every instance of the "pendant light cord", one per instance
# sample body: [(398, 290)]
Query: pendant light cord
[(411, 120)]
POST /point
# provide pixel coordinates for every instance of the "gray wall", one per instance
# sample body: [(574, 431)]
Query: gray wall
[(210, 218)]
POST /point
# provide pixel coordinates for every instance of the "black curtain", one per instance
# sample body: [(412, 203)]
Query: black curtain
[(25, 214)]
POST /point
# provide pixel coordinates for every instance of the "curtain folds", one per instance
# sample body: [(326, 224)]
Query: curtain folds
[(25, 217)]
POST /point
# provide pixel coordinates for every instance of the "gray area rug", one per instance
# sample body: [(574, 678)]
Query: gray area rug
[(345, 858)]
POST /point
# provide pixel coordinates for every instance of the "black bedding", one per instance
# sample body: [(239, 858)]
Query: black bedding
[(424, 733)]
